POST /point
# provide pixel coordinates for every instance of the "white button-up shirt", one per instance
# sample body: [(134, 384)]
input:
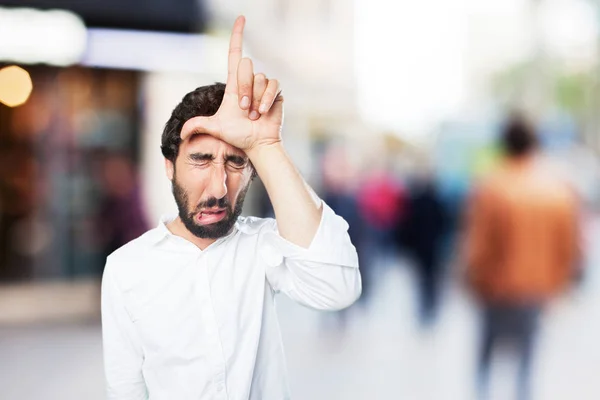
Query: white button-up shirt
[(180, 323)]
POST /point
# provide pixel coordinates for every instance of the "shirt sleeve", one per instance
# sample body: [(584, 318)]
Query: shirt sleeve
[(324, 276), (123, 354)]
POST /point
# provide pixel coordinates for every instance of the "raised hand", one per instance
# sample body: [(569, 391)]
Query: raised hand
[(251, 113)]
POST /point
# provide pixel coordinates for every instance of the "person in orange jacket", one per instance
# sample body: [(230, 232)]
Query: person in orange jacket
[(521, 248)]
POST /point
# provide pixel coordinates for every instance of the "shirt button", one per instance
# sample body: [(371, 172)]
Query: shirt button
[(220, 388)]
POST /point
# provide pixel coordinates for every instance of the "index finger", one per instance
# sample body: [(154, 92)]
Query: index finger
[(235, 52)]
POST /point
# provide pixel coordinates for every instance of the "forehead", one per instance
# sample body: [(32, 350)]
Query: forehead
[(203, 143)]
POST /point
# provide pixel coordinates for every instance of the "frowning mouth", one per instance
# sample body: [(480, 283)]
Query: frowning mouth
[(210, 216)]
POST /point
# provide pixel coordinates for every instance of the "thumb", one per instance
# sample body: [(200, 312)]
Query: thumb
[(196, 125)]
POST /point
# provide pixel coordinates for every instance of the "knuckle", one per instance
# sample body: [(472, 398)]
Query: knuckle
[(259, 88), (256, 99), (244, 88)]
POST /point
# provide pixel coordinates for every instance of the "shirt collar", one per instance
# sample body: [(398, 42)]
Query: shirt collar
[(161, 231)]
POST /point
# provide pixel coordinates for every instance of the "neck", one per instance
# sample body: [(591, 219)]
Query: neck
[(178, 228)]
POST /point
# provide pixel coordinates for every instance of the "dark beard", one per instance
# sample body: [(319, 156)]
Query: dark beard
[(212, 231)]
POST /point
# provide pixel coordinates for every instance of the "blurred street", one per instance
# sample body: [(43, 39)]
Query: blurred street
[(468, 174), (382, 354)]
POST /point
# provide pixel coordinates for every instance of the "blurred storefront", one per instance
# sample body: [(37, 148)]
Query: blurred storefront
[(157, 15), (65, 154), (71, 148)]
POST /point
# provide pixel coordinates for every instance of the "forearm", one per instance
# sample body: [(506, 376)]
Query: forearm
[(297, 208)]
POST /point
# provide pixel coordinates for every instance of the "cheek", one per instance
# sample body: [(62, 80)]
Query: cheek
[(194, 182)]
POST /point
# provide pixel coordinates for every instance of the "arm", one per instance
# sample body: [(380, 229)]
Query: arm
[(297, 208), (325, 275), (123, 355), (311, 257)]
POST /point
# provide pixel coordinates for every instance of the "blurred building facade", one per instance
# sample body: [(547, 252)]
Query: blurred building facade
[(70, 188), (55, 149)]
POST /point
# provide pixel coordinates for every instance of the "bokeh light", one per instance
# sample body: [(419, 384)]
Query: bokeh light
[(15, 86)]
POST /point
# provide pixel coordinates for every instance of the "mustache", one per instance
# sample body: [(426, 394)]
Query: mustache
[(214, 202)]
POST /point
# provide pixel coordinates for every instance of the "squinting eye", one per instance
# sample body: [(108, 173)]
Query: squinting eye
[(201, 164), (236, 164)]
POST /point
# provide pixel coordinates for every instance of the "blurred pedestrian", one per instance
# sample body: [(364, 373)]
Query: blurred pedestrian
[(381, 199), (421, 234), (521, 248)]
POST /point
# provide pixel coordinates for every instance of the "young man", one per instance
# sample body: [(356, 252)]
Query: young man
[(187, 308)]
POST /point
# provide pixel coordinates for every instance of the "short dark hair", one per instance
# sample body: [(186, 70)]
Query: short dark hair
[(201, 102), (518, 136)]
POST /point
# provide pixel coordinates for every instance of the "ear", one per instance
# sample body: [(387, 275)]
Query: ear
[(170, 169)]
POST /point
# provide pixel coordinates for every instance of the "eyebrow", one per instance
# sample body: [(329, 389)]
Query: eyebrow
[(201, 157), (209, 157)]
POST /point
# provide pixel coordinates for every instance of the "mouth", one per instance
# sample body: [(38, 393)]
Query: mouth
[(210, 216)]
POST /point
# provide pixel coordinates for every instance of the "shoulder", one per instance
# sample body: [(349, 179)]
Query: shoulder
[(132, 254), (135, 247)]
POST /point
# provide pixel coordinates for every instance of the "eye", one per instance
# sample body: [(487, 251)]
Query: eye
[(237, 164), (201, 163)]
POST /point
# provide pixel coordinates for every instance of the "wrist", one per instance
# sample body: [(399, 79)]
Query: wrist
[(263, 149)]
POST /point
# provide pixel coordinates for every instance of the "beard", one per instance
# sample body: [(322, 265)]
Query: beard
[(210, 231)]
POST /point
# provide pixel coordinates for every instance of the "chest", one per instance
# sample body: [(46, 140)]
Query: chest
[(194, 306)]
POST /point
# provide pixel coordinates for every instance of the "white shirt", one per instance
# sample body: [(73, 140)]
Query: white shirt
[(180, 323)]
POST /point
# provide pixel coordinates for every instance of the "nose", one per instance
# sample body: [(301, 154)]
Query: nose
[(217, 187)]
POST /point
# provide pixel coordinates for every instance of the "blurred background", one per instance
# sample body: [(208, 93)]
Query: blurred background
[(393, 111)]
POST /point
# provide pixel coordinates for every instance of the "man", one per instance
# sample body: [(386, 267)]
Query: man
[(187, 308), (521, 248)]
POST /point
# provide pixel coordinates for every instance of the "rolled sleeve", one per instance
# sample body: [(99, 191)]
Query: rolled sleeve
[(323, 276)]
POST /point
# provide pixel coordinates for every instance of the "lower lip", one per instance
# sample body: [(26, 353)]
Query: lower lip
[(205, 219)]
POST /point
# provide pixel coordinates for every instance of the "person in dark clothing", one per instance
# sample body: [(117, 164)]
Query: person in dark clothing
[(421, 234)]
